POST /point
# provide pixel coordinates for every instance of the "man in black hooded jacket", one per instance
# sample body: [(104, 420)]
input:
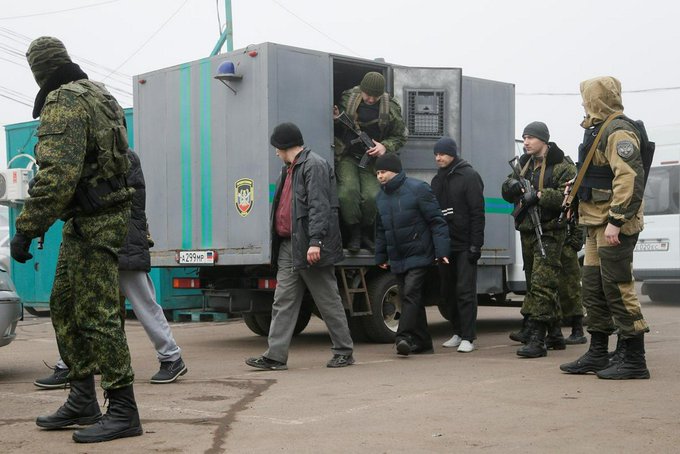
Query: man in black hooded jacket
[(460, 192)]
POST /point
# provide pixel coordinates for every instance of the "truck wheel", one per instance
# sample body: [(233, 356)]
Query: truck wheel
[(253, 324), (37, 312), (660, 294), (303, 320), (383, 292)]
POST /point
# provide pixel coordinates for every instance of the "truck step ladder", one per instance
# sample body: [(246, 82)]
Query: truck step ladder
[(349, 275)]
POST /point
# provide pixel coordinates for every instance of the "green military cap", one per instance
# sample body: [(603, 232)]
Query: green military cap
[(44, 56), (373, 84)]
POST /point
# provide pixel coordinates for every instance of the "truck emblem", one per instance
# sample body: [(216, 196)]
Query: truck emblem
[(243, 196)]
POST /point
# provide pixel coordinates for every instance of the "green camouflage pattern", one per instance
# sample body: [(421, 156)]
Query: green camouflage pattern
[(542, 275), (357, 190), (75, 121), (84, 304), (76, 124), (394, 135), (569, 290), (45, 55)]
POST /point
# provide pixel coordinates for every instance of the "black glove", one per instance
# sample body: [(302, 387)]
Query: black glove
[(530, 198), (19, 247), (474, 254), (512, 190)]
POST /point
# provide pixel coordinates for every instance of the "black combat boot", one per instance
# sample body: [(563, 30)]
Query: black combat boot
[(576, 337), (633, 364), (81, 407), (619, 352), (523, 334), (121, 419), (555, 340), (595, 359), (535, 348), (354, 243)]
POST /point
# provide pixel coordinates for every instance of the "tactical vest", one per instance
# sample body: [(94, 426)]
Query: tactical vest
[(383, 119), (106, 158)]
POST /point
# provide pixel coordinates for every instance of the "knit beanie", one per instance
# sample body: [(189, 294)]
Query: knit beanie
[(446, 145), (389, 162), (285, 136), (44, 56), (537, 129), (373, 84)]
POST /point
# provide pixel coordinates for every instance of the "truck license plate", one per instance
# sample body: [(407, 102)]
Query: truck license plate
[(651, 246), (196, 258)]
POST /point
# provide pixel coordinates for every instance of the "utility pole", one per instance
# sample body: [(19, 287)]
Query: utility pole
[(228, 33)]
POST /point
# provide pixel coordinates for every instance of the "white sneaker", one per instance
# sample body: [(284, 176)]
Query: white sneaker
[(453, 342), (466, 347)]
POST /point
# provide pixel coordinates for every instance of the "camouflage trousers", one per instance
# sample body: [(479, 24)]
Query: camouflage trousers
[(84, 304), (357, 189), (542, 274), (608, 287), (569, 290)]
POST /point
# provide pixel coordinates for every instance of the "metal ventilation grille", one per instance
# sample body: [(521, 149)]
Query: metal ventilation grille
[(425, 113)]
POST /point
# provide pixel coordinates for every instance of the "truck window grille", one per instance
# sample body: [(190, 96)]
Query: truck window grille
[(425, 113)]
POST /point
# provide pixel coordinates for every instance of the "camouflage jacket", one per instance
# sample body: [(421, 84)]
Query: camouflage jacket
[(393, 135), (74, 124)]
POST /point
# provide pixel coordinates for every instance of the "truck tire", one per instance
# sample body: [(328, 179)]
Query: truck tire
[(37, 312), (259, 323), (383, 292), (253, 324)]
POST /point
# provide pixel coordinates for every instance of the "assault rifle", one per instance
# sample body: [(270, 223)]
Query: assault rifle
[(361, 138), (522, 209)]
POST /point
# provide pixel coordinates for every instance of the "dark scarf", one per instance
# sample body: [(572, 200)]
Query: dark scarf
[(70, 72)]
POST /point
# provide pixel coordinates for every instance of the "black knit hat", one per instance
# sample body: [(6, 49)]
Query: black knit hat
[(285, 136), (389, 162), (537, 129), (446, 145), (373, 84)]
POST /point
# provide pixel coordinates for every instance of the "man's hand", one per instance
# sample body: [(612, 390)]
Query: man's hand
[(313, 254), (611, 235), (336, 112), (383, 266), (444, 260), (19, 247), (378, 150)]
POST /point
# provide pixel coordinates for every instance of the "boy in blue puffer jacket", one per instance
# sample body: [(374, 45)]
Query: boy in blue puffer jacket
[(411, 235)]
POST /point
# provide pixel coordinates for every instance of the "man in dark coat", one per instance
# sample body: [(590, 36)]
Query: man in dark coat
[(306, 245), (411, 234), (460, 192)]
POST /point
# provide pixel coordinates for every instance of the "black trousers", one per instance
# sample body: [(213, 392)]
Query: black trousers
[(459, 288), (413, 320)]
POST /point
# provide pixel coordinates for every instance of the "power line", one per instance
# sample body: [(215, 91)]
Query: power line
[(641, 90), (16, 100), (150, 38), (314, 28), (47, 13)]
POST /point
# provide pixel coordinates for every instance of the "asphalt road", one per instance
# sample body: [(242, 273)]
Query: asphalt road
[(489, 400)]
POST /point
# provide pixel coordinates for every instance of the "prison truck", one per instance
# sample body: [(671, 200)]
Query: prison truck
[(202, 130)]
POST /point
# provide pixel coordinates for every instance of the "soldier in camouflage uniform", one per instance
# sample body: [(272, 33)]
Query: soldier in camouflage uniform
[(545, 166), (379, 115), (610, 207), (82, 154)]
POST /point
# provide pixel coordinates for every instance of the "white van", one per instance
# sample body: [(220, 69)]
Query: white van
[(657, 254)]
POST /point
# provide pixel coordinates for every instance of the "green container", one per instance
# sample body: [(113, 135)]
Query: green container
[(34, 279)]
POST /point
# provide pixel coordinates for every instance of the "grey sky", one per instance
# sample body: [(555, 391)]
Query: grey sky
[(541, 46)]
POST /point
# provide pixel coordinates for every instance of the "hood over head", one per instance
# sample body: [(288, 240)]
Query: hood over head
[(601, 98)]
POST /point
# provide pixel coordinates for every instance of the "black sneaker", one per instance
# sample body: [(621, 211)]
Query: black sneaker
[(58, 379), (404, 347), (169, 372), (262, 362), (340, 361)]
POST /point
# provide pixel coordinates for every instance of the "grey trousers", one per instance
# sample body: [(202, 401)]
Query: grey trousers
[(288, 295), (138, 288)]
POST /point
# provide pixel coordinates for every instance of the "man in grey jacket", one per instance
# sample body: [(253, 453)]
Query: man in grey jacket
[(306, 245)]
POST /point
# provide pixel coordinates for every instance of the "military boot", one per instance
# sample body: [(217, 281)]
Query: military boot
[(577, 336), (595, 359), (535, 348), (619, 352), (354, 243), (121, 419), (633, 364), (81, 407), (523, 334), (555, 340)]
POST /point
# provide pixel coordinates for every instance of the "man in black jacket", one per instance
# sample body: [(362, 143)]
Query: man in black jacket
[(460, 192), (306, 245)]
